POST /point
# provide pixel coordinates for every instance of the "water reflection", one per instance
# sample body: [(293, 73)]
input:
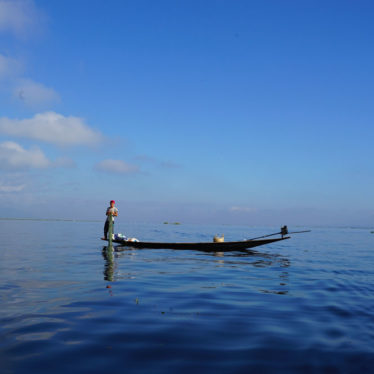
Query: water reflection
[(110, 256), (259, 259), (109, 265), (200, 260)]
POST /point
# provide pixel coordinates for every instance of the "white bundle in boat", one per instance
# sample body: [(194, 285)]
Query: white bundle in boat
[(119, 237), (132, 240), (124, 238)]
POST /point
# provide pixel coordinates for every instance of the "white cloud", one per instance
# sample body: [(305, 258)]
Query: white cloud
[(34, 94), (52, 127), (9, 67), (20, 17), (13, 156), (11, 188), (117, 167)]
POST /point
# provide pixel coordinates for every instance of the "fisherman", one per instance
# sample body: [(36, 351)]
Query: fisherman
[(111, 212)]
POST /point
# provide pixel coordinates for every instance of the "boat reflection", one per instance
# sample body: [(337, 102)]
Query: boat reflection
[(256, 258), (240, 260)]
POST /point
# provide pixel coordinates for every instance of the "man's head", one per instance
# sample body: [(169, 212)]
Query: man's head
[(112, 202)]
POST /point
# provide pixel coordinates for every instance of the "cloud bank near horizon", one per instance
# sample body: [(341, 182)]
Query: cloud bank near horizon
[(6, 188)]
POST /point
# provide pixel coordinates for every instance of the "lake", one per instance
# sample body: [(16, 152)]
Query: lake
[(300, 305)]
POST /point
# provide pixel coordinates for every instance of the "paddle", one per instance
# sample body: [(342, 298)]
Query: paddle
[(110, 231), (283, 232)]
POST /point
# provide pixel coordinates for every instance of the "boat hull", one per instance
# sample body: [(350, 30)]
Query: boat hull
[(204, 246)]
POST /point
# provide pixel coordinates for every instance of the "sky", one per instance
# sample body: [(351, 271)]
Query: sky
[(214, 111)]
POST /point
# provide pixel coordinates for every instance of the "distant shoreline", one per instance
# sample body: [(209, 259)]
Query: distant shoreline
[(178, 223), (49, 219)]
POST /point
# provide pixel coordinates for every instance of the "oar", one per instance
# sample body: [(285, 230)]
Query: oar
[(110, 231), (283, 232), (299, 232)]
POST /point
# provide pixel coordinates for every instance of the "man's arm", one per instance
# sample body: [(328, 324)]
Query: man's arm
[(111, 211)]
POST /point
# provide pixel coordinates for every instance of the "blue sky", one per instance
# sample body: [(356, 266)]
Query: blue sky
[(250, 112)]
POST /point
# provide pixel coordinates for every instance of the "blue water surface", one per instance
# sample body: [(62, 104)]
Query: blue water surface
[(300, 305)]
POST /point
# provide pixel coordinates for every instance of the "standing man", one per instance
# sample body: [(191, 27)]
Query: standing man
[(111, 212)]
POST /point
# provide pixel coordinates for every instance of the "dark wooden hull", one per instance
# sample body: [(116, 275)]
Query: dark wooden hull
[(204, 246)]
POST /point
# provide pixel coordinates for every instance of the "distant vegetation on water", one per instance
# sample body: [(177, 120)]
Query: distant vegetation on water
[(171, 223)]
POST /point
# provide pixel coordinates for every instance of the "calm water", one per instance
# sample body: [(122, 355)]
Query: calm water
[(302, 305)]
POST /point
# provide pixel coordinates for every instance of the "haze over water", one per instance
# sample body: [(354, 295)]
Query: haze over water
[(302, 305)]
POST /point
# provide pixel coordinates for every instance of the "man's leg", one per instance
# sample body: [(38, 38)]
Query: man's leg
[(106, 228)]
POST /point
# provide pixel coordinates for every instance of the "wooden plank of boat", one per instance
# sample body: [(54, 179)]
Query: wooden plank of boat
[(202, 246)]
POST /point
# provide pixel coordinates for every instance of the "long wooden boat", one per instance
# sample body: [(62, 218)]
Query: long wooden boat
[(202, 246)]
